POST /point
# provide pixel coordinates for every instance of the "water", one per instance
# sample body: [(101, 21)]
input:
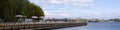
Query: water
[(96, 26)]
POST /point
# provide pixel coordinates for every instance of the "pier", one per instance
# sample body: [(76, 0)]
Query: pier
[(38, 25)]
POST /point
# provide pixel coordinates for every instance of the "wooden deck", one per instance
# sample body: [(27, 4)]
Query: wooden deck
[(44, 25)]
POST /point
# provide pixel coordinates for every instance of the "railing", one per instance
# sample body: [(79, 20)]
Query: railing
[(38, 25)]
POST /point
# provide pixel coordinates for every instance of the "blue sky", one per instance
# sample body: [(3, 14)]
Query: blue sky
[(103, 9)]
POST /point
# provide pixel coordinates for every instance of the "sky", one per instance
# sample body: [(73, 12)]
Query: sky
[(102, 9)]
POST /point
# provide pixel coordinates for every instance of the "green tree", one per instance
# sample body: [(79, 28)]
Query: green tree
[(10, 8)]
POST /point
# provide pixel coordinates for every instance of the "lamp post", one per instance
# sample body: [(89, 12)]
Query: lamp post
[(34, 18), (20, 17)]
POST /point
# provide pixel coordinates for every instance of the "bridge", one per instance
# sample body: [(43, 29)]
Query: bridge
[(38, 25)]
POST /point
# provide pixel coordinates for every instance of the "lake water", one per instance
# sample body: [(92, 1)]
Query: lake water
[(96, 26)]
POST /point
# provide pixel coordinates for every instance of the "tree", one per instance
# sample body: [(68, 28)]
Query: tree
[(10, 8)]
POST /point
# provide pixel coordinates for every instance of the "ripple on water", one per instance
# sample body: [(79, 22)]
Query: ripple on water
[(96, 26)]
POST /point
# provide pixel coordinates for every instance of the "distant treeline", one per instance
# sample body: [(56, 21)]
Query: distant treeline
[(10, 8)]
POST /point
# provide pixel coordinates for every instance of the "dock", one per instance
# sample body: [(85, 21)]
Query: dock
[(38, 25)]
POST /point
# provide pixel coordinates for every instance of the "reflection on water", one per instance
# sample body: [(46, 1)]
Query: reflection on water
[(96, 26)]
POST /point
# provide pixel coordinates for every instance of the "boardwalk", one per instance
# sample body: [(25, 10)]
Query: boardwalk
[(40, 25)]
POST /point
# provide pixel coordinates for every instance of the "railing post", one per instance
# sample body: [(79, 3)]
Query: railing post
[(11, 27), (18, 27)]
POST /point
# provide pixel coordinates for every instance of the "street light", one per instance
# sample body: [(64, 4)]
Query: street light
[(20, 17), (34, 17)]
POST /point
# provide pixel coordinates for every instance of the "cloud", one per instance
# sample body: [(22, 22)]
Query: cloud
[(70, 1), (64, 5), (56, 1), (79, 3), (82, 1), (74, 1), (56, 14), (86, 5), (64, 14)]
